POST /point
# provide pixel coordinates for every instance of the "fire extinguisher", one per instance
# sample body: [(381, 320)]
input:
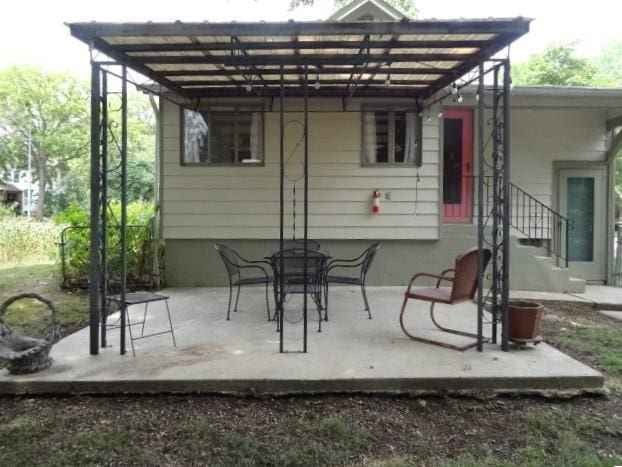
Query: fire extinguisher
[(375, 202)]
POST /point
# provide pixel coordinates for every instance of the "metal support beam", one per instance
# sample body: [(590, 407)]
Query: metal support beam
[(103, 202), (345, 70), (295, 44), (480, 209), (94, 272), (85, 30), (306, 205), (495, 204), (281, 287), (315, 59), (494, 213), (123, 233), (505, 291), (350, 83)]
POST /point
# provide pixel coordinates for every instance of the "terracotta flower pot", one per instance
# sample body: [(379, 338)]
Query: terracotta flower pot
[(524, 320)]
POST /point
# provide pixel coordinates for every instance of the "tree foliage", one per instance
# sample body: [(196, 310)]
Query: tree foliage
[(74, 183), (52, 108), (558, 65), (610, 63)]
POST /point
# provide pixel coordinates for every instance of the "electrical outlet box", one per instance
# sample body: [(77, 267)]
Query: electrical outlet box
[(387, 195)]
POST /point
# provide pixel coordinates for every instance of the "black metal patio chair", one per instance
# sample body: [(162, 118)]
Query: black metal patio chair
[(363, 261), (293, 273), (235, 265), (299, 244)]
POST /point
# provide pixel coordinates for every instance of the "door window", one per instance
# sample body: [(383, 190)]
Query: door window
[(580, 204)]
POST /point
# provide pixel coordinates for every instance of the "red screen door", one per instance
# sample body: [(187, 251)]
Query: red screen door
[(457, 165)]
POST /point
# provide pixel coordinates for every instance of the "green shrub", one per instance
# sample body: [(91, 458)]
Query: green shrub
[(75, 241), (6, 211), (22, 239)]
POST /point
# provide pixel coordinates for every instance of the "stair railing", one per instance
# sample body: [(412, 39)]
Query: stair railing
[(534, 219)]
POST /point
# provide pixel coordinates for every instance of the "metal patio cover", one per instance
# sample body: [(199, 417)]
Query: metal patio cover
[(361, 59)]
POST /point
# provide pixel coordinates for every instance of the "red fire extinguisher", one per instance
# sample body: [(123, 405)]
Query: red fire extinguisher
[(375, 202)]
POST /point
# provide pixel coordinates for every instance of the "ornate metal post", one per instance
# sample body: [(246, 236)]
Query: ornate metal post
[(94, 271)]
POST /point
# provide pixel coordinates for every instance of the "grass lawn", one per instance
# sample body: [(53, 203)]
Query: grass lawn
[(31, 317), (321, 430)]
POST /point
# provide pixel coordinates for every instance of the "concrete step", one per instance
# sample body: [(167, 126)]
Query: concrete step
[(533, 269), (577, 285)]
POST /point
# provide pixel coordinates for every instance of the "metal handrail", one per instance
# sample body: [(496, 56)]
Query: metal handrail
[(528, 215), (542, 222)]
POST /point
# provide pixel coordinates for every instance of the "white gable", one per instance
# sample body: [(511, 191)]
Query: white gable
[(367, 10)]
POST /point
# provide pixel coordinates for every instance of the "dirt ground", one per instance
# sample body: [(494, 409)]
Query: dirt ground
[(337, 429)]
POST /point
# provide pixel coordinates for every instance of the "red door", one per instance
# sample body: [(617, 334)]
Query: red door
[(457, 165)]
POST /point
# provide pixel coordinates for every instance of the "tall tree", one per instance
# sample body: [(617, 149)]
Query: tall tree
[(558, 65), (71, 186), (610, 63), (51, 108)]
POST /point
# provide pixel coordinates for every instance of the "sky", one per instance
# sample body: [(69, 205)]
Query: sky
[(33, 31)]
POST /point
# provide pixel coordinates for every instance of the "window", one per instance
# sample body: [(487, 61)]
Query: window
[(391, 137), (222, 137)]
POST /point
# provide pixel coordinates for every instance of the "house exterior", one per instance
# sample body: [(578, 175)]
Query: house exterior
[(266, 127), (374, 126), (559, 155), (560, 165)]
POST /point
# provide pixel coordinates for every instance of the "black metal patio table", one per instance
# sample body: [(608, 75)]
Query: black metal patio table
[(294, 272)]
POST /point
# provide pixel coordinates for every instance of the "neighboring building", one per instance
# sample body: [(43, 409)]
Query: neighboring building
[(11, 196)]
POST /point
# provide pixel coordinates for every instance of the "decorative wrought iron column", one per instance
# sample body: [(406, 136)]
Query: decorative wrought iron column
[(282, 266), (94, 271), (494, 182), (103, 136), (123, 232)]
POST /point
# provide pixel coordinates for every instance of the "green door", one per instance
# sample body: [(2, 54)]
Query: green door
[(582, 201)]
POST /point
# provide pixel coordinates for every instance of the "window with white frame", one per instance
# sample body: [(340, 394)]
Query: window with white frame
[(391, 137), (233, 137)]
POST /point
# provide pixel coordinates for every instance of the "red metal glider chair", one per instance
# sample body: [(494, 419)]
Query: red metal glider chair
[(463, 279)]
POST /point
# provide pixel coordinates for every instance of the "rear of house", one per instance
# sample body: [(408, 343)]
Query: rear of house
[(219, 182)]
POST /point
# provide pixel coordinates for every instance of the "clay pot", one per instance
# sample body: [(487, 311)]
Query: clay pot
[(524, 320)]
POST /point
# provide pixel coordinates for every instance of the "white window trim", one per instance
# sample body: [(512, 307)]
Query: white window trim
[(391, 135), (236, 163)]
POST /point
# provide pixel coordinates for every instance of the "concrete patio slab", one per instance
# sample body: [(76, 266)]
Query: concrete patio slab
[(601, 296), (612, 314), (351, 354)]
